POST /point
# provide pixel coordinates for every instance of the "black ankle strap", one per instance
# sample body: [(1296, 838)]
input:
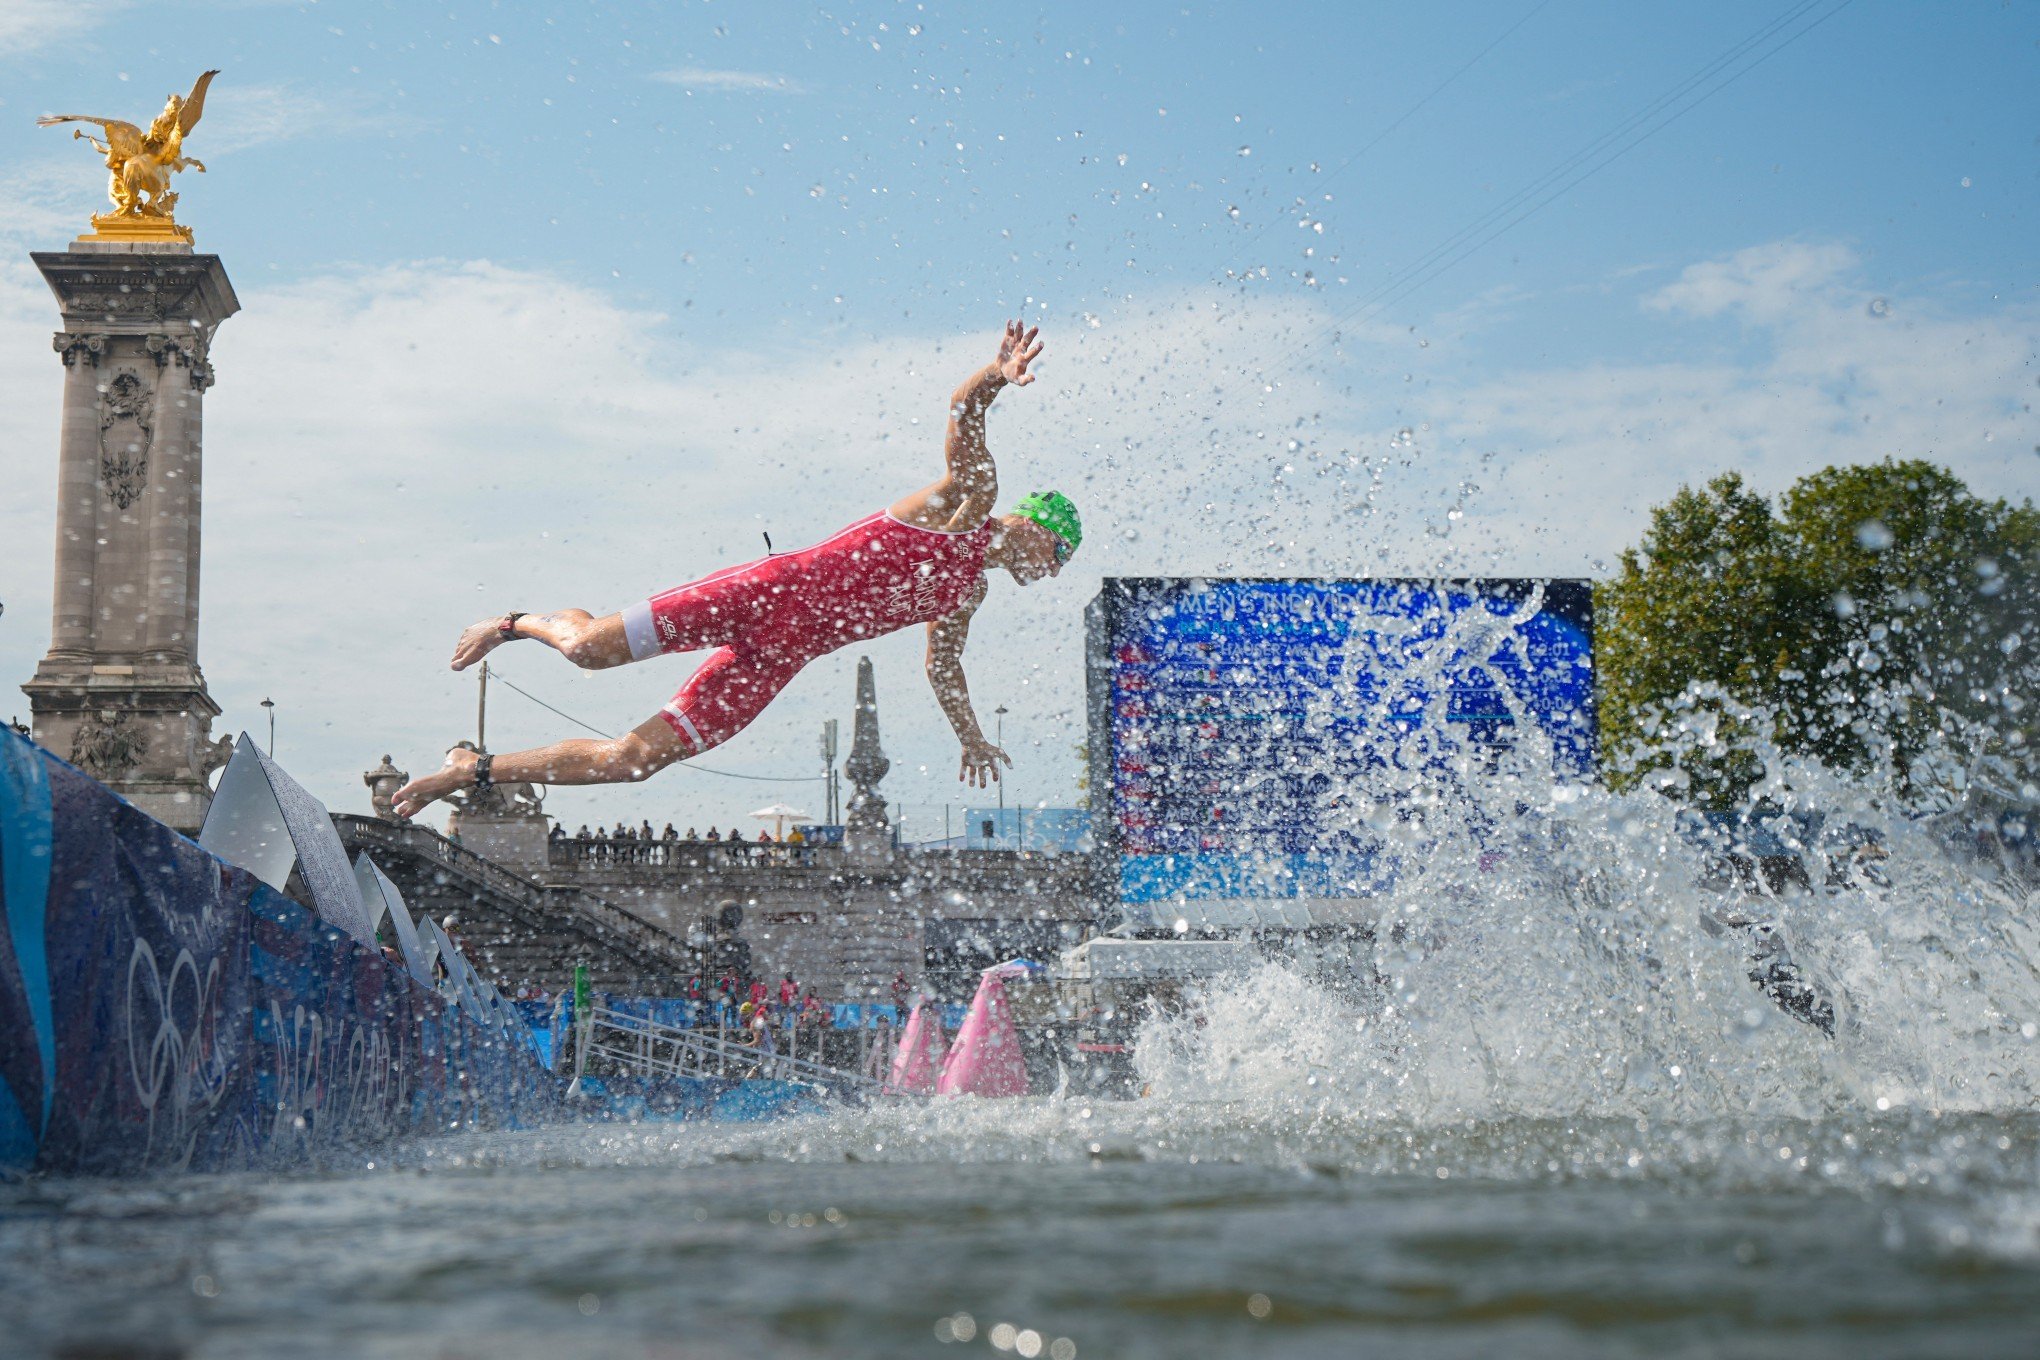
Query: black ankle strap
[(482, 777)]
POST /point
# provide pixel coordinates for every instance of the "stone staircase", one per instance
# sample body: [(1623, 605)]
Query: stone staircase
[(514, 930)]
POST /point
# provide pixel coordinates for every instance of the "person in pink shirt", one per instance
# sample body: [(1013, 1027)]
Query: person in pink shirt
[(924, 559)]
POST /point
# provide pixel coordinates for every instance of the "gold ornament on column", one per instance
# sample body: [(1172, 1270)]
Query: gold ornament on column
[(142, 163)]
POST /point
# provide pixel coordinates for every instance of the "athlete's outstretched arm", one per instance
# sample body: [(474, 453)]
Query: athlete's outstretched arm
[(946, 639), (969, 489)]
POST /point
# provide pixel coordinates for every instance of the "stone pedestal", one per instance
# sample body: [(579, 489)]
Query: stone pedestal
[(120, 692)]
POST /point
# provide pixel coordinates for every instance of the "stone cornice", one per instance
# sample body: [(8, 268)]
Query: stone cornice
[(138, 294)]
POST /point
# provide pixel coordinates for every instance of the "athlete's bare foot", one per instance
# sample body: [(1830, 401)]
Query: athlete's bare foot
[(457, 773), (477, 642)]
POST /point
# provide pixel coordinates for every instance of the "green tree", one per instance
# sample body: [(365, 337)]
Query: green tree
[(1883, 615)]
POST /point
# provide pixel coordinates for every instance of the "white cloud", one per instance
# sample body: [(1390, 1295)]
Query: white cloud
[(1766, 282), (238, 117), (28, 26), (394, 453), (738, 82)]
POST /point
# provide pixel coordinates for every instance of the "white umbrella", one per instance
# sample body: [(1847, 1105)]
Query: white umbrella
[(777, 815)]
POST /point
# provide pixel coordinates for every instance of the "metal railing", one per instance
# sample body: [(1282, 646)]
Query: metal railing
[(625, 852), (642, 1046), (647, 941)]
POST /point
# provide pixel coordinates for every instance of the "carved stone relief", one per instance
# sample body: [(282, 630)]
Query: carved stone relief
[(74, 345), (188, 351), (127, 426), (108, 745)]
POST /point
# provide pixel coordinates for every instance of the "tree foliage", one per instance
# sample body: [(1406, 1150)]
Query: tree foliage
[(1879, 617)]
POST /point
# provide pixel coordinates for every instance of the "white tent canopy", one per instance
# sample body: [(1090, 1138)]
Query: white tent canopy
[(778, 814)]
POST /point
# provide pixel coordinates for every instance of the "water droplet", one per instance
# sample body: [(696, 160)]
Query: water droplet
[(1879, 307), (1873, 536), (1248, 151)]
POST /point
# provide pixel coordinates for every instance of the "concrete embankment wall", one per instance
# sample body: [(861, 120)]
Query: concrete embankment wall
[(162, 1009)]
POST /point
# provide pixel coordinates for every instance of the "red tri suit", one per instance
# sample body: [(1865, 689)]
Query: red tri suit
[(767, 619)]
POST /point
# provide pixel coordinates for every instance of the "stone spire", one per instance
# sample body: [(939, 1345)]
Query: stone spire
[(866, 828)]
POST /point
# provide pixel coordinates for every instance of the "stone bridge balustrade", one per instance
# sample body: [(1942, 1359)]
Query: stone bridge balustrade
[(846, 923)]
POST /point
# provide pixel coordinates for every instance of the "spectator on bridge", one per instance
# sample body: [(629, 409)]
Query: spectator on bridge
[(794, 837), (713, 835), (764, 836), (690, 836), (789, 992), (758, 992), (736, 835), (557, 834), (669, 834), (645, 832)]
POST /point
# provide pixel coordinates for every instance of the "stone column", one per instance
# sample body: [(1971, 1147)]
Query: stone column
[(120, 692)]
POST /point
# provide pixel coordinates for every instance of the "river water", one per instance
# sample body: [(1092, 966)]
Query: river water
[(1115, 1230), (1551, 1115)]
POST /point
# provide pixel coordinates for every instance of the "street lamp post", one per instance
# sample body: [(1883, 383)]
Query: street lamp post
[(999, 740), (270, 704), (829, 767)]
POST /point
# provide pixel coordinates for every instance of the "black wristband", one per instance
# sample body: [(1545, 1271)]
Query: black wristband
[(482, 779), (508, 627)]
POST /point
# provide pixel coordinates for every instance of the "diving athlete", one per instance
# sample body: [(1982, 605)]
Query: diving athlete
[(924, 559)]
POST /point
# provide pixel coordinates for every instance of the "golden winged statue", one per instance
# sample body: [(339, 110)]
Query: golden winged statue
[(142, 163)]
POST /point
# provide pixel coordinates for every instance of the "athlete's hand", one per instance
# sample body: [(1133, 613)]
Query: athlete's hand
[(980, 768), (1017, 349)]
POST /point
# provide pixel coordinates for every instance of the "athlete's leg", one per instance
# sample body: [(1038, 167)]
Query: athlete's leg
[(710, 612), (638, 754), (590, 643), (730, 689), (718, 701)]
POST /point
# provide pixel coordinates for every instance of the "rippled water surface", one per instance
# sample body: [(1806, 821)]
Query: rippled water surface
[(1552, 1114), (1118, 1230)]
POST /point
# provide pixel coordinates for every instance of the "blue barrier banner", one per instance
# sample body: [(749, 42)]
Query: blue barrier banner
[(27, 1070), (147, 937), (866, 1017), (162, 1009)]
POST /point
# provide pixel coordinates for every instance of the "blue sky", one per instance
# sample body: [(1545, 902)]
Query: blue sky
[(561, 305)]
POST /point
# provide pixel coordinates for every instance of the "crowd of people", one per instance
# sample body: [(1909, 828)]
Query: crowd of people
[(753, 1013), (639, 844)]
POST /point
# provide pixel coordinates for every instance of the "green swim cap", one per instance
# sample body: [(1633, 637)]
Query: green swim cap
[(1054, 512)]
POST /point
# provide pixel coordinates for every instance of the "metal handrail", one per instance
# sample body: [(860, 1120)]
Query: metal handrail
[(610, 852), (647, 940), (653, 1047)]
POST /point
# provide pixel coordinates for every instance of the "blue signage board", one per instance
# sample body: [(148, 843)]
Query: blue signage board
[(1256, 739)]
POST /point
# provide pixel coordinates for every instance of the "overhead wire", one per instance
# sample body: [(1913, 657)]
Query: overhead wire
[(1403, 288), (1553, 184), (495, 674), (1407, 114)]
